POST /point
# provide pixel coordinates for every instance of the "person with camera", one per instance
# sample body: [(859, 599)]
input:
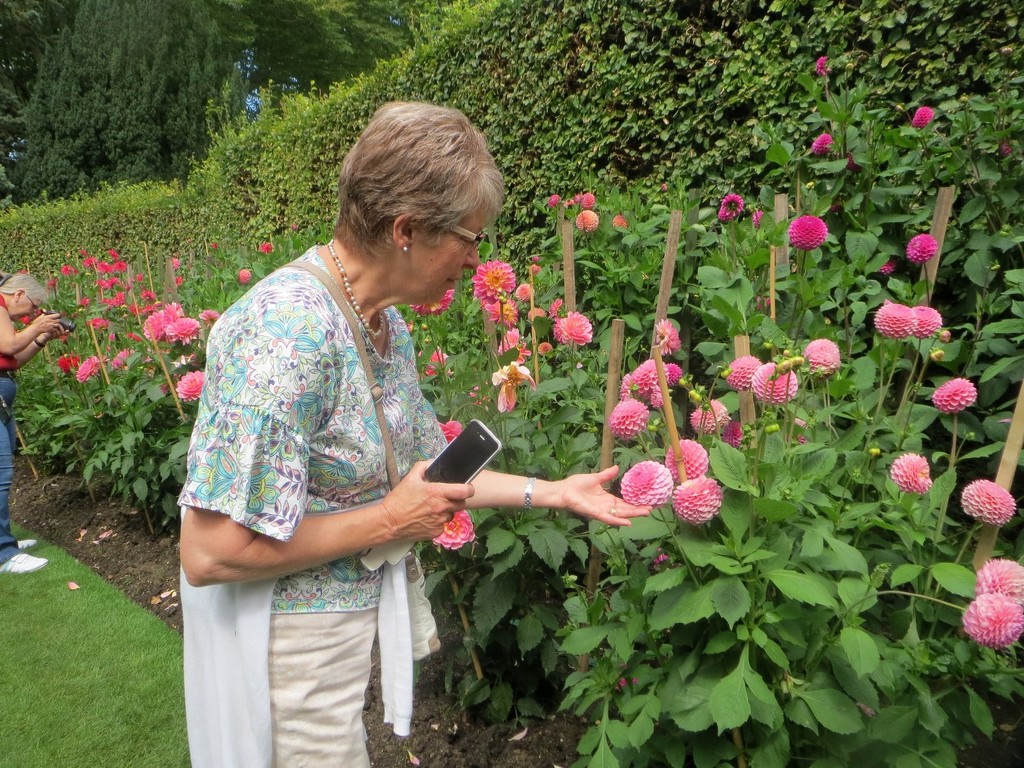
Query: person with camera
[(20, 295), (310, 447)]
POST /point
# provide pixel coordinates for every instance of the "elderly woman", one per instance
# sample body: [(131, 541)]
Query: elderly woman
[(20, 295), (287, 482)]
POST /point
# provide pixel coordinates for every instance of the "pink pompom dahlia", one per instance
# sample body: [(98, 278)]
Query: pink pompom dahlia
[(994, 620), (895, 321), (620, 222), (588, 201), (457, 532), (647, 483), (695, 460), (822, 144), (911, 474), (493, 280), (732, 433), (190, 386), (988, 502), (821, 67), (731, 207), (244, 276), (673, 374), (628, 419), (922, 248), (922, 116), (929, 322), (587, 221), (955, 395), (807, 233), (823, 356), (1001, 577), (574, 328), (642, 383), (773, 388), (709, 417), (697, 501), (741, 372), (888, 268)]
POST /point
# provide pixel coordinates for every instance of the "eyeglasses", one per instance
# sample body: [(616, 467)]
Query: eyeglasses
[(35, 307), (474, 237)]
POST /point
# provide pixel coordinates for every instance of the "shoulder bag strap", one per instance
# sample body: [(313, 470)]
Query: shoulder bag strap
[(375, 389)]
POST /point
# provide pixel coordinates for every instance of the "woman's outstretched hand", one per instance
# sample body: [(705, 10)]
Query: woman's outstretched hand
[(586, 496)]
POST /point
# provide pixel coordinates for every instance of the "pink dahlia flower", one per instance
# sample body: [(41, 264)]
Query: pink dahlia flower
[(742, 372), (673, 373), (508, 379), (822, 356), (822, 144), (709, 418), (1001, 577), (911, 474), (574, 328), (666, 337), (642, 383), (821, 67), (731, 207), (587, 201), (988, 502), (888, 268), (807, 233), (504, 313), (773, 389), (184, 330), (209, 316), (524, 292), (451, 429), (554, 200), (955, 395), (587, 221), (1005, 148), (697, 501), (244, 276), (493, 280), (732, 433), (695, 460), (620, 222), (929, 322), (266, 248), (89, 368), (437, 307), (457, 532), (895, 321), (628, 419), (994, 620), (755, 218), (190, 386), (922, 116), (647, 483), (922, 248)]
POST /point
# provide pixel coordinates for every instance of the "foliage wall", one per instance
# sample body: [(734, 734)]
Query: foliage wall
[(631, 91)]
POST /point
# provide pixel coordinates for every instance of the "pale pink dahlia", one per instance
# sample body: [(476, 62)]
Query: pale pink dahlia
[(911, 474), (574, 328), (772, 389), (709, 418), (697, 501), (244, 276), (209, 316), (620, 222), (642, 383), (183, 329), (89, 368), (493, 280), (587, 201), (1001, 577), (988, 502), (929, 322), (994, 620), (822, 356), (628, 419), (587, 221), (731, 207), (742, 372), (895, 321), (922, 248), (922, 116), (190, 386), (437, 307), (732, 433), (457, 532), (695, 460), (666, 337), (807, 233), (647, 483), (955, 395), (822, 144)]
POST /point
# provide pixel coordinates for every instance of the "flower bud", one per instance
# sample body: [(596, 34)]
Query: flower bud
[(726, 373), (937, 355), (874, 452), (945, 335), (695, 397), (771, 429)]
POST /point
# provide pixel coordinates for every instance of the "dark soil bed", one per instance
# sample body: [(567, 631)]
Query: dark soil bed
[(114, 540)]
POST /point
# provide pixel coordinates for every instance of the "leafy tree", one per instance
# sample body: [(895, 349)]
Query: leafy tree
[(123, 96)]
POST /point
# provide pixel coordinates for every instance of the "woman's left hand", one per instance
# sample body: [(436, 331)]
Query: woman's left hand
[(586, 496)]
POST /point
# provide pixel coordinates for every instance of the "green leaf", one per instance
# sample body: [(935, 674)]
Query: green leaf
[(681, 605), (584, 640), (860, 649), (730, 467), (905, 573), (955, 578), (804, 587), (491, 603), (980, 713), (832, 709), (659, 582), (778, 154), (731, 599), (550, 544), (529, 633), (499, 540), (729, 704), (774, 510)]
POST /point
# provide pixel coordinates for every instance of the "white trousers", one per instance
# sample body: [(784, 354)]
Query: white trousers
[(319, 669)]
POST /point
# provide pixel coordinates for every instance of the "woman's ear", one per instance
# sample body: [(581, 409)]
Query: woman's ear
[(402, 232)]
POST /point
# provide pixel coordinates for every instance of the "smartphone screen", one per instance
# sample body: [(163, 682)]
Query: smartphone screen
[(464, 457)]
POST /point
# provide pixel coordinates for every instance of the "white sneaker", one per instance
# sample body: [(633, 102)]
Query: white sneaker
[(22, 563), (26, 543)]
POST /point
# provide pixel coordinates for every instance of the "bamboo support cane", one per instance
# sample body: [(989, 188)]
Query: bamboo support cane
[(170, 282), (21, 442), (670, 416), (668, 268), (773, 265), (943, 209), (1004, 478), (565, 230), (741, 348), (781, 213)]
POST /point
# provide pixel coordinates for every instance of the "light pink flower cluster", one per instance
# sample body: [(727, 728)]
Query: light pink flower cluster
[(642, 383), (730, 208), (457, 532), (732, 433), (822, 356), (922, 248), (628, 419), (929, 322), (988, 502), (666, 337), (955, 395), (620, 222), (911, 474), (695, 460), (807, 233), (1001, 577), (190, 386), (709, 418), (587, 221), (922, 117), (822, 144), (741, 372), (647, 483), (994, 620), (170, 324), (773, 388), (898, 321), (437, 307), (574, 328), (244, 276), (209, 316)]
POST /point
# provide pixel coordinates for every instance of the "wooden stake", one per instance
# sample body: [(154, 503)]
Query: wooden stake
[(670, 416), (568, 264), (668, 268), (1004, 478), (21, 442), (741, 348), (773, 263), (943, 209), (781, 214), (477, 667)]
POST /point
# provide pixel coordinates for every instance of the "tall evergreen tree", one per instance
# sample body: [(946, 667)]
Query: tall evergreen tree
[(123, 96)]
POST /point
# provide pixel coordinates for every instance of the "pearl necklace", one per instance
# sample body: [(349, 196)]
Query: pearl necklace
[(352, 297)]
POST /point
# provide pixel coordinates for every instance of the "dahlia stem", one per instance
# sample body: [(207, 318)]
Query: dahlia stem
[(477, 668)]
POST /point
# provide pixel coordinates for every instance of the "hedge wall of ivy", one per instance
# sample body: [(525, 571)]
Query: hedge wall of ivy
[(635, 92)]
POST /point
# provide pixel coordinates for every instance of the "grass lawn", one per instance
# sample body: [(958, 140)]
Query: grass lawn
[(87, 678)]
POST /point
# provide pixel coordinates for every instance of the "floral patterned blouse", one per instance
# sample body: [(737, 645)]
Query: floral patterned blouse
[(287, 427)]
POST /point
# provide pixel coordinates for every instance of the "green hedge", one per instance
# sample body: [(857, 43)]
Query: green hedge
[(639, 92)]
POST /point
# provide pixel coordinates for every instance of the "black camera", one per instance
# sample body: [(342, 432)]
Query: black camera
[(65, 322)]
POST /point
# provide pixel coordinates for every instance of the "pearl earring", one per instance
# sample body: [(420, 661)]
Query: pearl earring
[(405, 249)]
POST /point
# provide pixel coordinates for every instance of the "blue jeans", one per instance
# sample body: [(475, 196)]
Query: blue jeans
[(8, 438)]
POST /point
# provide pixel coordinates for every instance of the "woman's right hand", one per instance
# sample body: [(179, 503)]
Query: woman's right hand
[(46, 325), (418, 509)]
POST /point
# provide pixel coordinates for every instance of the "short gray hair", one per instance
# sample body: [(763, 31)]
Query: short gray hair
[(418, 159), (23, 281)]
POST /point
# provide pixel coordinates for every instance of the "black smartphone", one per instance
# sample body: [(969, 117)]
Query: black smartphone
[(465, 456)]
